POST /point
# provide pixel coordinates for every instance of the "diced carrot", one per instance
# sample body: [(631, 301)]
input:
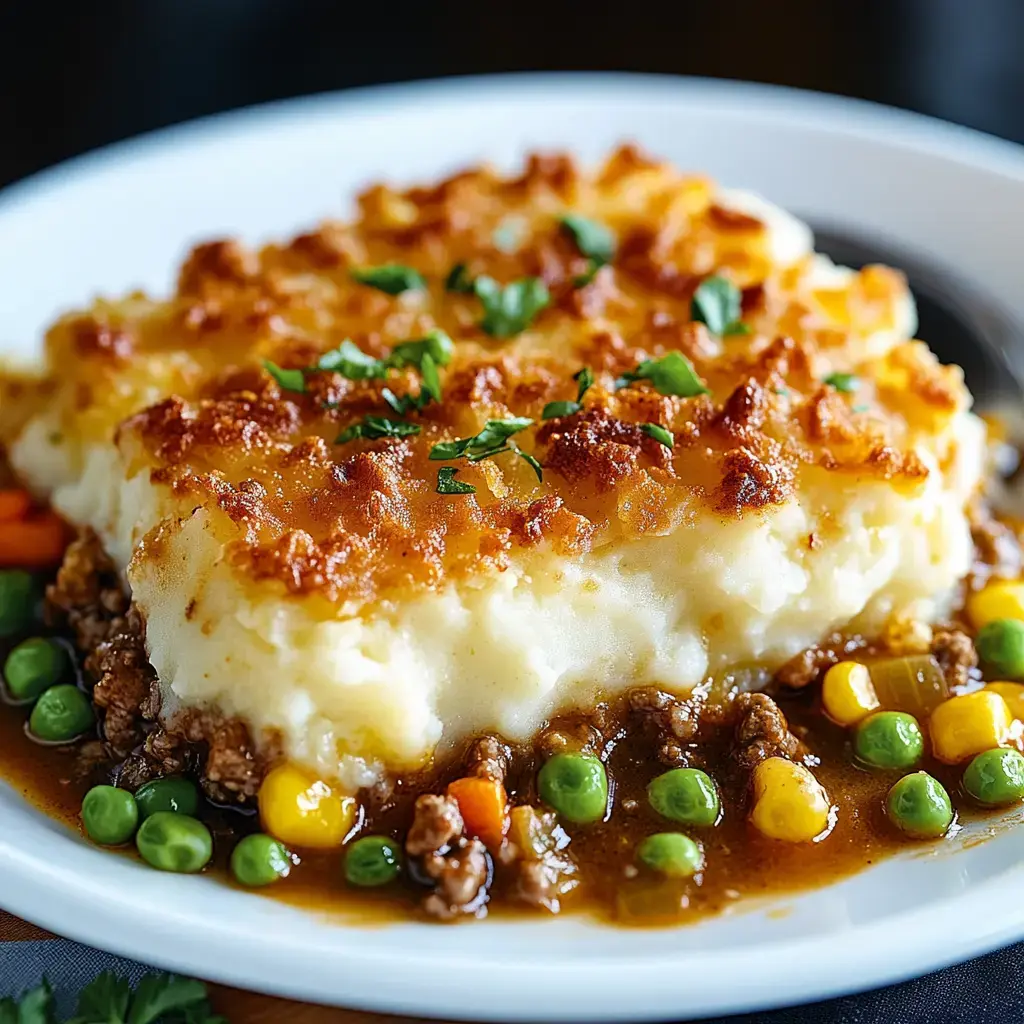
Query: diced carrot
[(14, 504), (33, 543), (484, 807)]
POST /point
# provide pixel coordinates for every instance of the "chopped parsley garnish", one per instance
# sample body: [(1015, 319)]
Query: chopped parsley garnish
[(487, 442), (458, 280), (109, 999), (671, 375), (393, 278), (375, 427), (287, 380), (436, 344), (352, 362), (492, 440), (584, 379), (717, 303), (582, 280), (860, 408), (845, 382), (593, 239), (659, 433), (447, 484), (510, 308)]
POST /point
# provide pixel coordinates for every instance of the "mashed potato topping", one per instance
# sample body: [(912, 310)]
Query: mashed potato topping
[(324, 591)]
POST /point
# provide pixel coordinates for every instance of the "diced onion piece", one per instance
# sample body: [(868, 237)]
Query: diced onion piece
[(912, 684)]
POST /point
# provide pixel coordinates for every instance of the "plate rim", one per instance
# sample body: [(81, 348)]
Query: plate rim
[(69, 906)]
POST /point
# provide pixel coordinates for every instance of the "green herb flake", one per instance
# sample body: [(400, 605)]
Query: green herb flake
[(489, 441), (593, 239), (848, 383), (556, 410), (673, 374), (860, 408), (458, 280), (510, 309), (659, 433), (582, 280), (717, 303), (447, 484), (532, 463), (393, 278), (372, 428), (584, 382), (436, 344), (352, 362), (287, 380)]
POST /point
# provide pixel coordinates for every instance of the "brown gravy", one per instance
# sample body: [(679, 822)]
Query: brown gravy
[(740, 863)]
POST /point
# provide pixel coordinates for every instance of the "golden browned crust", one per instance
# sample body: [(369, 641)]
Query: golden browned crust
[(362, 519)]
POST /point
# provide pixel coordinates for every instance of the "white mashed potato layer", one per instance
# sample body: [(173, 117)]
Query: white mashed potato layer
[(385, 688), (351, 694)]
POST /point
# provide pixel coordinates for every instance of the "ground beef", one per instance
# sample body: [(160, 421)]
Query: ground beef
[(232, 772), (954, 651), (997, 549), (806, 667), (87, 595), (436, 824), (460, 868), (488, 758), (671, 723), (762, 731), (124, 683), (462, 878)]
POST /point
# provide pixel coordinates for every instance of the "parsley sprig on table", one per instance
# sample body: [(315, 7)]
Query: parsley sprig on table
[(109, 999)]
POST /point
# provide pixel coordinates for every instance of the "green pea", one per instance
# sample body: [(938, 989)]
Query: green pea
[(996, 777), (109, 815), (889, 739), (61, 713), (175, 793), (1000, 644), (687, 795), (576, 786), (919, 806), (33, 666), (671, 853), (17, 601), (259, 860), (372, 860), (174, 842)]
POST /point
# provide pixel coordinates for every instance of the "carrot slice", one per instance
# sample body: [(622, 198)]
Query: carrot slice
[(14, 504), (484, 807), (33, 543)]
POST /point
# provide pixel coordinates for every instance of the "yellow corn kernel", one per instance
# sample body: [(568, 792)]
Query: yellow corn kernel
[(789, 802), (967, 725), (1013, 694), (847, 693), (302, 810), (1003, 599)]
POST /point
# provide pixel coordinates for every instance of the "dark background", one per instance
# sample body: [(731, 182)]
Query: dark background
[(75, 76)]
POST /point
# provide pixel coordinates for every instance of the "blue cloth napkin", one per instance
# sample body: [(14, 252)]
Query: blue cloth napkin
[(988, 990)]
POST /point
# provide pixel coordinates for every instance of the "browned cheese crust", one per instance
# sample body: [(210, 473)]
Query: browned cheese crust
[(363, 520)]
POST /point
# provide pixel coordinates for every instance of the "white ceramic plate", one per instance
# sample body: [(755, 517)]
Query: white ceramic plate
[(123, 217)]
